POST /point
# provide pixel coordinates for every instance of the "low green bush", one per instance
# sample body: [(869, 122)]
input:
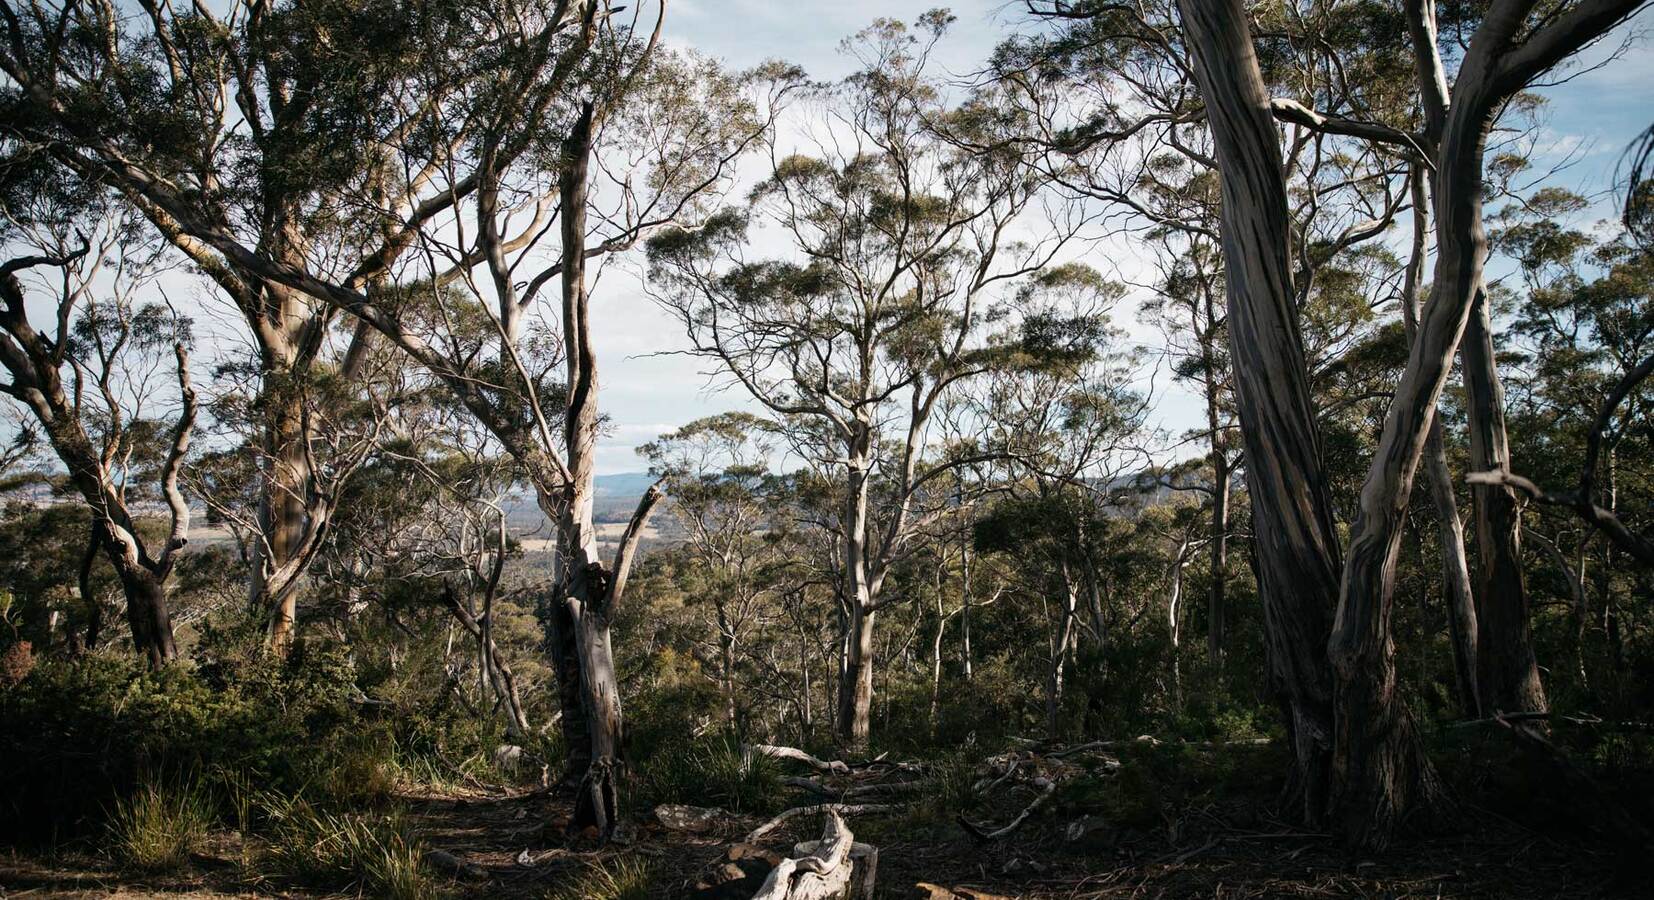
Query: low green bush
[(710, 772)]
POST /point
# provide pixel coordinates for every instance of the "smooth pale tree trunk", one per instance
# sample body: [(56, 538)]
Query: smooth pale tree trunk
[(1496, 66), (1060, 644), (1461, 604), (965, 612), (586, 592), (1216, 601), (1507, 673), (1296, 545), (856, 683)]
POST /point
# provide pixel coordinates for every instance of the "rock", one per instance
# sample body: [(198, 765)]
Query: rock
[(693, 819), (737, 879)]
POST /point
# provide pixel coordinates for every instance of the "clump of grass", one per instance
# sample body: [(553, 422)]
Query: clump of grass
[(716, 773), (621, 878), (954, 778), (375, 853), (157, 828), (357, 777)]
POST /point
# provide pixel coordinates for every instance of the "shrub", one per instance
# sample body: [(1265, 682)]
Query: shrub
[(79, 734), (157, 828)]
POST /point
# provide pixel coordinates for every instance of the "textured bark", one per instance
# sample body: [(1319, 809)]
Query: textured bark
[(1507, 673), (281, 510), (1380, 773), (1296, 545), (1456, 586)]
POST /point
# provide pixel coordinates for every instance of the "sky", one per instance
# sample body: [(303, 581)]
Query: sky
[(1592, 118)]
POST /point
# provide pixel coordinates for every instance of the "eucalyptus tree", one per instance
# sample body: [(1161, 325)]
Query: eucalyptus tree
[(902, 234), (1121, 97), (96, 379)]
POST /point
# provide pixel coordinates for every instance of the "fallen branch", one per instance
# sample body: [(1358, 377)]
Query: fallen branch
[(843, 809), (854, 792), (1047, 788)]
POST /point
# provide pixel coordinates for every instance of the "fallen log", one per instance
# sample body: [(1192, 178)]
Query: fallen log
[(835, 767), (823, 874), (843, 809)]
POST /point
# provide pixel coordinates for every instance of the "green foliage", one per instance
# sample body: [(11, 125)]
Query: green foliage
[(82, 733), (157, 828)]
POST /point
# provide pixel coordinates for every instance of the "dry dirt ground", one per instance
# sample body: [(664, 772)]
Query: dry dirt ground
[(1202, 855)]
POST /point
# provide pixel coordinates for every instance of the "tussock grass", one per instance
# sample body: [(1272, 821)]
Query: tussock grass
[(376, 853), (157, 828), (621, 878)]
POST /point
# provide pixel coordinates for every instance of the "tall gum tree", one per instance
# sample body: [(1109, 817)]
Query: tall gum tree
[(530, 101), (1380, 775), (903, 216), (1297, 547)]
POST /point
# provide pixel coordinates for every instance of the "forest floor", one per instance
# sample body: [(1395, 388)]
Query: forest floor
[(502, 838)]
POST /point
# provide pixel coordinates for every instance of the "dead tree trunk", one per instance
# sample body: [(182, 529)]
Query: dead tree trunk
[(1296, 544)]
